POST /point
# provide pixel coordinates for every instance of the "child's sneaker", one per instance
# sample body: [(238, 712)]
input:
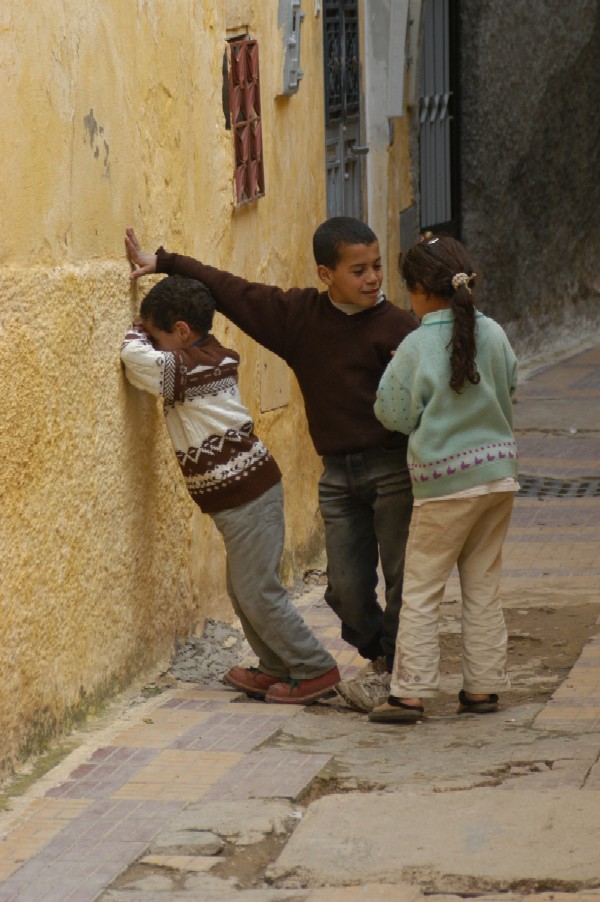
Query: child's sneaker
[(302, 692), (366, 691), (379, 665), (251, 680)]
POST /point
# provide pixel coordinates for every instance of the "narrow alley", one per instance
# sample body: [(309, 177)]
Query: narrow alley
[(198, 793)]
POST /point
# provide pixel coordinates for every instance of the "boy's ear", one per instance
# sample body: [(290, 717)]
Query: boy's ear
[(324, 274), (183, 329)]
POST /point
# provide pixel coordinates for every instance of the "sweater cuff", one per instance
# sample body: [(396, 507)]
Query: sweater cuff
[(164, 261)]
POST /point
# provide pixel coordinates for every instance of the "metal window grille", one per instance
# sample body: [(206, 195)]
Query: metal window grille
[(244, 99), (437, 128), (342, 71), (343, 149)]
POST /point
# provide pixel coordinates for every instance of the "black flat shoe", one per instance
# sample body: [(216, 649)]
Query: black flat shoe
[(483, 707)]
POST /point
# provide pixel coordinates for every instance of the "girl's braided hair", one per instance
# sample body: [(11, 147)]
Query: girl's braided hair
[(441, 266)]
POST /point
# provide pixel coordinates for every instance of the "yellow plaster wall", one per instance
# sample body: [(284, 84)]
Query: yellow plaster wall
[(112, 116), (400, 195)]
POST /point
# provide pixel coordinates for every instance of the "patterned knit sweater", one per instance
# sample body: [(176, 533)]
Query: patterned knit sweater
[(456, 441), (337, 359), (224, 464)]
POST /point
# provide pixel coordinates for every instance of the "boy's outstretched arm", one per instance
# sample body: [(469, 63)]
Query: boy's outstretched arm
[(145, 262), (260, 310)]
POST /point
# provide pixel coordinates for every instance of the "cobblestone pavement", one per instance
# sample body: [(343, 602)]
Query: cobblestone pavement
[(194, 747)]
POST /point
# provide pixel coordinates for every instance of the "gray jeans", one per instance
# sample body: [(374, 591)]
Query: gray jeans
[(253, 536), (365, 499)]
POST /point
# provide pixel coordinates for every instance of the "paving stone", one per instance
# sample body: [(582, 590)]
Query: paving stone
[(445, 841), (102, 840), (201, 704), (193, 842), (369, 892), (181, 862), (200, 888), (230, 732), (107, 770), (246, 821), (268, 774)]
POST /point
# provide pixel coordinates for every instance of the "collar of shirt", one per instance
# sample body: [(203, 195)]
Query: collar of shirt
[(351, 309), (443, 316)]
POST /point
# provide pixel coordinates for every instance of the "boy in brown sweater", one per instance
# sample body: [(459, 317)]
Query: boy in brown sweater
[(338, 343)]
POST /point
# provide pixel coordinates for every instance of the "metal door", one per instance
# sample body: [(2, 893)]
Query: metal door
[(437, 123), (342, 108)]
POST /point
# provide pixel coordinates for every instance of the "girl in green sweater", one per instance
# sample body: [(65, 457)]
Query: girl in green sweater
[(449, 387)]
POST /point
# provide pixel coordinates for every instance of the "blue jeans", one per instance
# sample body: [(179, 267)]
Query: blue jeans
[(365, 498)]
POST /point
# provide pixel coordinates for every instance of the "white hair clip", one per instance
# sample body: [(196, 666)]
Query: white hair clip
[(461, 278)]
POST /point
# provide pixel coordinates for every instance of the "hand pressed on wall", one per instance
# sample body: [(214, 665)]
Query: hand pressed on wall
[(145, 262)]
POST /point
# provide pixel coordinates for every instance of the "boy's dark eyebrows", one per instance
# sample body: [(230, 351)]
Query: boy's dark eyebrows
[(359, 264)]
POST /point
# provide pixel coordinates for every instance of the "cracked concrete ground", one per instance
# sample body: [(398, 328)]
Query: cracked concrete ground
[(433, 807)]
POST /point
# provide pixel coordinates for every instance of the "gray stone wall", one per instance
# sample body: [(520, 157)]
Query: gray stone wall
[(530, 155)]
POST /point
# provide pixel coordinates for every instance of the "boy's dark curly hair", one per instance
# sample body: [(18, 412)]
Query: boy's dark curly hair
[(432, 265), (332, 234), (179, 299)]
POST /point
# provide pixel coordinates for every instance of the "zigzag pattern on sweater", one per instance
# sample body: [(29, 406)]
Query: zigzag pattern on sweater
[(214, 444), (212, 389), (169, 371), (234, 470)]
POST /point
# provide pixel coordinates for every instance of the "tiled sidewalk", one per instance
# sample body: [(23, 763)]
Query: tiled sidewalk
[(75, 835), (192, 744)]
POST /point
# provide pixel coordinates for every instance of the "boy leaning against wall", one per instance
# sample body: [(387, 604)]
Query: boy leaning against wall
[(338, 342), (233, 478)]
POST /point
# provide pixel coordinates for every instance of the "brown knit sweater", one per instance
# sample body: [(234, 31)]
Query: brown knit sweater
[(223, 462), (337, 359)]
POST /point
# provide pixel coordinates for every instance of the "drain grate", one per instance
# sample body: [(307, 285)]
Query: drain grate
[(547, 487)]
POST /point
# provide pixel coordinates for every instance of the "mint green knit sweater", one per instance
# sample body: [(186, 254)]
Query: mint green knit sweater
[(456, 441)]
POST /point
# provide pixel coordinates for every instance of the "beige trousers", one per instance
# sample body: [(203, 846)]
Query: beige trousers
[(468, 532)]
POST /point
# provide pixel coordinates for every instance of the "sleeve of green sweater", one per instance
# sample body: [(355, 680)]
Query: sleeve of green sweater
[(397, 405)]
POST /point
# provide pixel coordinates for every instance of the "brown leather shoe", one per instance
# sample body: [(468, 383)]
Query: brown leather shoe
[(302, 692), (251, 680), (395, 711)]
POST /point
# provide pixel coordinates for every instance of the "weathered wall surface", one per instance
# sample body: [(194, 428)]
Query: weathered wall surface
[(112, 116), (530, 158)]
